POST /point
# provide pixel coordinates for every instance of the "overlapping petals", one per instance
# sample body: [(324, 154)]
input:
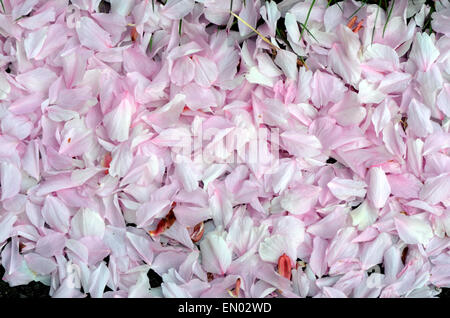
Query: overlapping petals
[(101, 183)]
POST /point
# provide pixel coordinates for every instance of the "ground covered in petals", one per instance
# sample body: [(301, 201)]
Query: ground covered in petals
[(224, 148)]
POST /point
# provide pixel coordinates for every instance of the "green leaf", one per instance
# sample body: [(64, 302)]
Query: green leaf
[(363, 3), (336, 3), (307, 18), (302, 60), (278, 32), (150, 43), (3, 6), (389, 16), (427, 22), (375, 23), (309, 32)]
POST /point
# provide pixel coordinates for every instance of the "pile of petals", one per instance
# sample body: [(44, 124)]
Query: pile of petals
[(97, 190)]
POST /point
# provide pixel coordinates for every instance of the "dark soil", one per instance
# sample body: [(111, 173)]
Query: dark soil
[(154, 279), (39, 290), (445, 293), (32, 290)]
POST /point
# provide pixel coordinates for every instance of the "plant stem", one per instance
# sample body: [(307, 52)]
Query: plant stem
[(362, 5), (307, 18), (150, 43), (389, 16), (376, 18)]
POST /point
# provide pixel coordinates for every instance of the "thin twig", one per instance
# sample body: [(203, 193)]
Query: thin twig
[(254, 30), (262, 36)]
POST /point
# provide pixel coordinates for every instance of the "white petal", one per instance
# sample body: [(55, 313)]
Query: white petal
[(34, 42), (10, 180), (56, 214), (379, 188), (423, 51), (436, 189), (419, 119), (5, 88), (272, 248), (413, 230), (216, 255), (206, 71), (364, 215), (287, 61), (92, 36), (381, 117), (87, 223), (97, 280), (343, 189), (256, 77), (117, 122)]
